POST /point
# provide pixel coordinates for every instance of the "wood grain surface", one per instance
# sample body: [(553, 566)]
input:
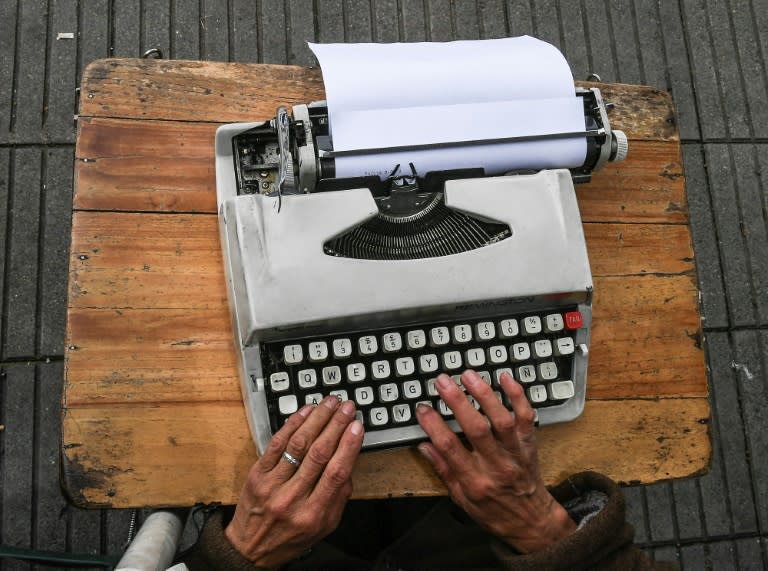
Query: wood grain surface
[(152, 408)]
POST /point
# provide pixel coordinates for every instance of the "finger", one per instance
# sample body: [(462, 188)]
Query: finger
[(524, 413), (300, 441), (490, 403), (442, 469), (277, 444), (324, 447), (473, 424), (443, 439), (334, 484), (501, 419)]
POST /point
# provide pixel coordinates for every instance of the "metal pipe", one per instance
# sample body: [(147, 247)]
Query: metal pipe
[(155, 544)]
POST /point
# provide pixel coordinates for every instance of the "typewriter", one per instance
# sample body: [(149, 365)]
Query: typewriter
[(368, 288)]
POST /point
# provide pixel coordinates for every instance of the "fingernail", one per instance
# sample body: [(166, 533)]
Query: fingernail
[(421, 408), (469, 378), (331, 402), (444, 381), (356, 427), (506, 376), (305, 410), (425, 452), (348, 408)]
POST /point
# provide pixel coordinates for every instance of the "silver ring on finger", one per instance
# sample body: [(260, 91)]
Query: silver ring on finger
[(291, 459)]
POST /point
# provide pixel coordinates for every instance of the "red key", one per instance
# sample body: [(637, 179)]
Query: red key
[(573, 320)]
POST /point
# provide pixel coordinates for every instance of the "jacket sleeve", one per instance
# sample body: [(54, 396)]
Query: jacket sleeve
[(603, 540), (213, 550)]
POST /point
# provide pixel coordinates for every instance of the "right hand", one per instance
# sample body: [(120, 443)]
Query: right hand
[(497, 482), (285, 509)]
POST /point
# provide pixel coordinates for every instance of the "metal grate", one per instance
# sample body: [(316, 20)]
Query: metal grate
[(433, 232)]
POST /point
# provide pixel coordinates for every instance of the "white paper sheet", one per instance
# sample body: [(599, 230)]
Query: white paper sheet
[(393, 95)]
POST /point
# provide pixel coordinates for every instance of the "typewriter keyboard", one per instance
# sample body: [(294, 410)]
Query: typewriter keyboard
[(388, 372)]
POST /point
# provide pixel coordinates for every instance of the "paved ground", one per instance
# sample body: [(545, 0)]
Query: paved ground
[(711, 55)]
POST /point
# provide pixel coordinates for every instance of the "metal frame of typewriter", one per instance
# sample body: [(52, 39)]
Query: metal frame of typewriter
[(282, 285)]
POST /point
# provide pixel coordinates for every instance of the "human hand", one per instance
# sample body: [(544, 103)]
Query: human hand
[(497, 482), (284, 508)]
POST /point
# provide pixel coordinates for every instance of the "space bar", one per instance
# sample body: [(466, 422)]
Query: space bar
[(399, 436)]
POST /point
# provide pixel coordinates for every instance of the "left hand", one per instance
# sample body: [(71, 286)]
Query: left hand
[(285, 508), (497, 482)]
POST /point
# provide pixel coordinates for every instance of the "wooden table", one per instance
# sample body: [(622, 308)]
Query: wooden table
[(152, 408)]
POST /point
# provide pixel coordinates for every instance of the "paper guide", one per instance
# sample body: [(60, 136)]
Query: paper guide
[(400, 95)]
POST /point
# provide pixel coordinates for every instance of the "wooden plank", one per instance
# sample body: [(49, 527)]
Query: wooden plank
[(626, 249), (216, 92), (139, 464), (145, 166), (645, 327), (146, 261), (646, 338), (174, 261), (148, 317), (158, 166), (194, 90), (151, 356), (649, 186)]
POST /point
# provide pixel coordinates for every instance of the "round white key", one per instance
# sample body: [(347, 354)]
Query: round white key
[(355, 372), (485, 330), (342, 348), (401, 413), (526, 374), (404, 367), (380, 370), (367, 345), (392, 342), (532, 325), (498, 372), (411, 389), (439, 336), (548, 370), (564, 346), (363, 395), (520, 352), (340, 394), (293, 354), (287, 404), (462, 333), (542, 348), (318, 351), (428, 363), (307, 378), (279, 382), (331, 375), (452, 360), (537, 393), (416, 339), (475, 357), (388, 392), (379, 416), (497, 354), (553, 323), (561, 390), (508, 328)]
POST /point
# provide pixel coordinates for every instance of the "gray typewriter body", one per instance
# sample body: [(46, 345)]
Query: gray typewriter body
[(285, 284)]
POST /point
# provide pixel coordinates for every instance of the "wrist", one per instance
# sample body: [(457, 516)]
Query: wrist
[(246, 549), (548, 530)]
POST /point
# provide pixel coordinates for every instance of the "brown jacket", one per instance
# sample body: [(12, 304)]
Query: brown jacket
[(447, 539)]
